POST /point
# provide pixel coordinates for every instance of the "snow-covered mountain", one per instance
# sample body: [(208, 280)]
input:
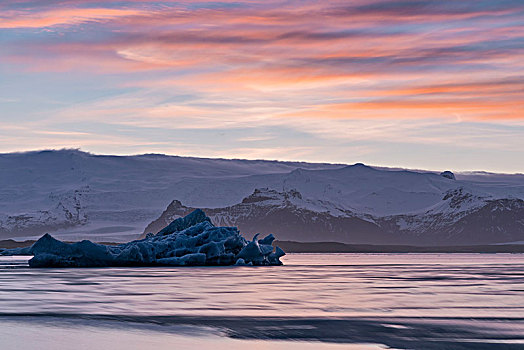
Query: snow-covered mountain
[(76, 195), (459, 219)]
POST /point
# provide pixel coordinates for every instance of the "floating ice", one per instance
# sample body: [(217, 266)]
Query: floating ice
[(189, 241)]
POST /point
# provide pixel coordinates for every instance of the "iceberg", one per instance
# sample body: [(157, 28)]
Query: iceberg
[(189, 241)]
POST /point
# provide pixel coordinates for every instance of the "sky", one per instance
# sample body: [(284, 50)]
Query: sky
[(419, 84)]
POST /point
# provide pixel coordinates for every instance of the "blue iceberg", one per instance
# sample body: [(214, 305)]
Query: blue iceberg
[(189, 241)]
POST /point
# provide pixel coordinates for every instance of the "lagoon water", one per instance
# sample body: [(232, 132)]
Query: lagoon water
[(317, 301)]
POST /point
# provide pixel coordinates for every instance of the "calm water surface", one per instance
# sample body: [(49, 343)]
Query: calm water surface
[(330, 293)]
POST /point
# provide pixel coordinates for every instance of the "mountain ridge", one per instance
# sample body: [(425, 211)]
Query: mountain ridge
[(293, 218)]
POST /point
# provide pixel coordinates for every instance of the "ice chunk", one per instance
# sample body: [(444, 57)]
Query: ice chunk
[(180, 224), (240, 262), (274, 258), (260, 252), (189, 241), (252, 252), (267, 240)]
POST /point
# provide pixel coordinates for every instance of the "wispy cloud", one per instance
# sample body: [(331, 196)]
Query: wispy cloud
[(318, 68)]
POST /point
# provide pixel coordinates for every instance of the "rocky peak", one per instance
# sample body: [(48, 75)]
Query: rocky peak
[(448, 175)]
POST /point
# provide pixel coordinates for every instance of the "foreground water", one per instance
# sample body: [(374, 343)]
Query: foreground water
[(360, 301)]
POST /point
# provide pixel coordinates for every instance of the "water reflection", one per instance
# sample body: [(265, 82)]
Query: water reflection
[(312, 285)]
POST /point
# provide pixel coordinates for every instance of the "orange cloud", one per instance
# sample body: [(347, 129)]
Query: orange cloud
[(68, 16), (422, 109)]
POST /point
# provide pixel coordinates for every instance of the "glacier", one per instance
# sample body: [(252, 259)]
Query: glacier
[(75, 195), (188, 241)]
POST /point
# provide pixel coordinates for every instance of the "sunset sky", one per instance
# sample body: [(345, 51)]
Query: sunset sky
[(420, 84)]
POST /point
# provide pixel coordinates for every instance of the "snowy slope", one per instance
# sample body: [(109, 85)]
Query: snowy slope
[(358, 188), (75, 195)]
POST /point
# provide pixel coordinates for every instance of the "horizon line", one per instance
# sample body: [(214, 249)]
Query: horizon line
[(379, 167)]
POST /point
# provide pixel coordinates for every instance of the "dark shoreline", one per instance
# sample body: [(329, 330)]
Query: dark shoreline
[(337, 247), (11, 243)]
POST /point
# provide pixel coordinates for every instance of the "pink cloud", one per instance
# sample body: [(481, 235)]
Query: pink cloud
[(372, 57)]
